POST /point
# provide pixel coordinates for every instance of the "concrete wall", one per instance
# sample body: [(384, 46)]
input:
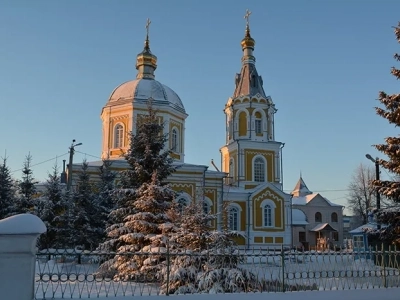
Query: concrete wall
[(18, 235)]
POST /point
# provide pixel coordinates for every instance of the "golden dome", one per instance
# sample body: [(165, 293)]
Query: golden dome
[(248, 41)]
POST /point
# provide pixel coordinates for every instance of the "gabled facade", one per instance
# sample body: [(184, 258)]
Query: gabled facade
[(248, 189), (324, 219)]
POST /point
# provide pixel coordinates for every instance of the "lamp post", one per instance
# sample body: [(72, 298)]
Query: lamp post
[(71, 158), (378, 196)]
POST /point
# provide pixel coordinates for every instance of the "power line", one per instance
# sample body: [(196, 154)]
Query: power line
[(42, 162), (94, 156)]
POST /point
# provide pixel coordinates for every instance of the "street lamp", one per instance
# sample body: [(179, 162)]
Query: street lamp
[(378, 196), (71, 157)]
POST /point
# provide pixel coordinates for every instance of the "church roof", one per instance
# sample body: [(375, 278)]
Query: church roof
[(301, 189), (248, 82), (298, 217), (142, 89)]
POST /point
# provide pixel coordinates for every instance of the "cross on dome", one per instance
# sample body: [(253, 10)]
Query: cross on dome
[(247, 17), (148, 22)]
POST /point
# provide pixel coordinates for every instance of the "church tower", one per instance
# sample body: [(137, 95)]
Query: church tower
[(251, 155)]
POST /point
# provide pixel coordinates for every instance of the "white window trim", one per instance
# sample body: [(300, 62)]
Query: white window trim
[(209, 203), (273, 206), (175, 149), (239, 208), (115, 136), (184, 196), (265, 167)]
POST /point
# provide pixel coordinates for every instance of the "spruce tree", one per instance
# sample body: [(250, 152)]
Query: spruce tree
[(84, 231), (140, 221), (105, 188), (51, 207), (26, 189), (7, 190), (203, 259), (390, 188)]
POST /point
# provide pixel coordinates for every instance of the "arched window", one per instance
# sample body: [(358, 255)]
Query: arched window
[(318, 217), (258, 123), (206, 207), (174, 142), (233, 218), (118, 136), (182, 203), (259, 170), (268, 215), (334, 217)]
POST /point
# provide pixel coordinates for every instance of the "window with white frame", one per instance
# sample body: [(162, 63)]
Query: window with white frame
[(258, 126), (258, 123), (118, 136), (233, 218), (174, 143), (259, 170), (268, 214)]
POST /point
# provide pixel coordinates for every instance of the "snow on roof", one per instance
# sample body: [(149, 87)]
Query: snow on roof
[(323, 227), (298, 217), (306, 199), (365, 227), (301, 189)]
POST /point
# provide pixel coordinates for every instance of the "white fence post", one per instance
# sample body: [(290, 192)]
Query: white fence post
[(18, 235)]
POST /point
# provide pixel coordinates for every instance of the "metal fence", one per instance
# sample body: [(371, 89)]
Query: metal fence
[(72, 273)]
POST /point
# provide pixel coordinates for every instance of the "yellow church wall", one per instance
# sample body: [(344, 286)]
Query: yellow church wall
[(258, 239), (239, 240), (269, 157), (278, 212), (175, 156), (188, 188), (250, 110), (250, 186), (268, 239), (242, 123)]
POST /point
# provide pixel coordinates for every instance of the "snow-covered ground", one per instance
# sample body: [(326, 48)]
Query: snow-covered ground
[(386, 294), (316, 271)]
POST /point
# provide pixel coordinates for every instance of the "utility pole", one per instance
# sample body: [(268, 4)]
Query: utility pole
[(378, 196), (71, 159)]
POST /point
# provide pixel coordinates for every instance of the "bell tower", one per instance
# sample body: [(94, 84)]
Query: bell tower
[(251, 154)]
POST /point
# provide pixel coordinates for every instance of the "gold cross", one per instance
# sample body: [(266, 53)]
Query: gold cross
[(247, 16), (148, 25)]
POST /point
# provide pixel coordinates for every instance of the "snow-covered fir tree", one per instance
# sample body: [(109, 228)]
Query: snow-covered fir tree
[(84, 229), (140, 220), (390, 188), (204, 260), (104, 198), (51, 207), (26, 189), (7, 190)]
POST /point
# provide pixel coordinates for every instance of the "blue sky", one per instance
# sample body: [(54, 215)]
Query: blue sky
[(323, 63)]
